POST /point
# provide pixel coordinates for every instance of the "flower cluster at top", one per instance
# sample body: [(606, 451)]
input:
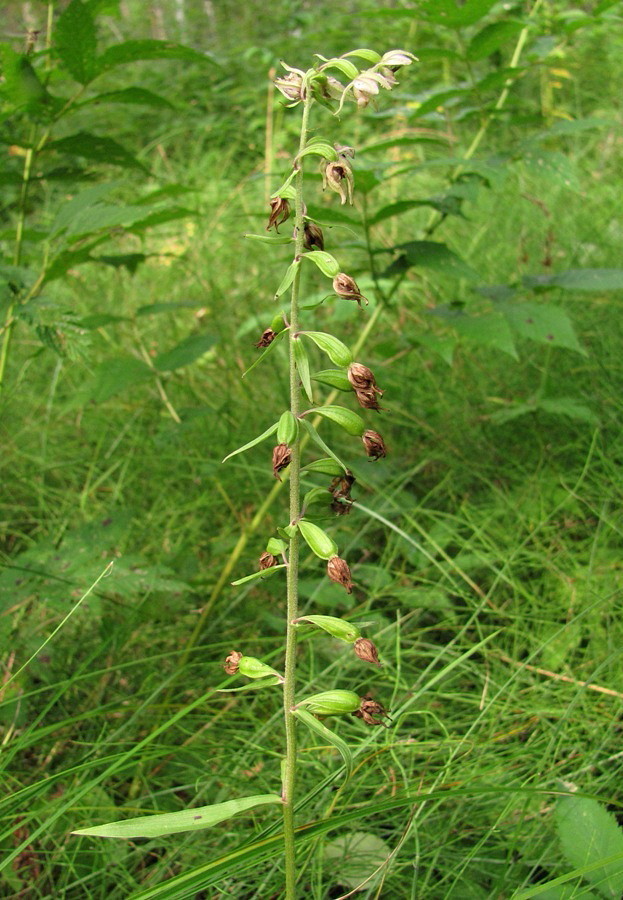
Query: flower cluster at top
[(363, 84)]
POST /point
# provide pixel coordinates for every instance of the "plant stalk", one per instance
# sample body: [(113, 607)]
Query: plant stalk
[(289, 769)]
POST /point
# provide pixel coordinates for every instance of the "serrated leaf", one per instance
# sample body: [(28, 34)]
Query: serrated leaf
[(430, 255), (21, 85), (543, 323), (326, 734), (173, 823), (261, 574), (315, 437), (338, 353), (83, 200), (302, 367), (103, 216), (113, 376), (131, 51), (327, 264), (453, 15), (588, 833), (253, 443), (75, 42), (491, 37), (317, 540), (184, 353), (592, 280), (97, 148), (336, 378), (489, 329)]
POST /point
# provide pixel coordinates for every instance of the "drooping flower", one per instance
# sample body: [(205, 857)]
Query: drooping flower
[(374, 444), (339, 572), (282, 456), (345, 286), (279, 212)]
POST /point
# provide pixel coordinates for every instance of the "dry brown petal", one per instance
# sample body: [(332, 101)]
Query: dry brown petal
[(339, 508), (267, 338), (367, 398), (291, 85), (339, 177), (362, 378), (341, 485), (368, 710), (374, 444), (267, 560), (282, 456), (313, 238), (366, 650), (345, 286), (231, 663), (279, 212), (339, 572)]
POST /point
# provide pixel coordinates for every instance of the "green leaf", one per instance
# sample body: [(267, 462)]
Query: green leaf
[(97, 148), (592, 280), (257, 440), (568, 406), (265, 353), (329, 215), (489, 329), (75, 42), (336, 378), (317, 540), (324, 467), (135, 96), (113, 376), (344, 66), (315, 437), (359, 857), (319, 148), (543, 323), (184, 353), (287, 428), (338, 353), (81, 201), (270, 238), (256, 685), (395, 209), (173, 823), (131, 51), (491, 37), (370, 56), (452, 14), (103, 216), (430, 255), (302, 366), (288, 278), (345, 418), (326, 734), (327, 264), (22, 86), (337, 628), (588, 833)]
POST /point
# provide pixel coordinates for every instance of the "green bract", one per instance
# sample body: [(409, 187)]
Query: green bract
[(317, 540), (332, 703)]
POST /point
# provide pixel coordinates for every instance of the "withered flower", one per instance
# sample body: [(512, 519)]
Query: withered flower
[(341, 508), (344, 151), (339, 177), (374, 444), (362, 378), (282, 456), (267, 560), (313, 238), (367, 398), (338, 571), (231, 663), (279, 212), (345, 286), (368, 710), (366, 650), (266, 339), (291, 85), (341, 485)]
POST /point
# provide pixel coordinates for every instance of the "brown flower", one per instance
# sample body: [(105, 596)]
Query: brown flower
[(339, 177), (341, 508), (231, 663), (341, 485), (266, 339), (368, 710), (362, 378), (374, 444), (267, 560), (366, 650), (291, 85), (282, 456), (367, 398), (345, 286), (279, 212), (313, 238), (339, 572)]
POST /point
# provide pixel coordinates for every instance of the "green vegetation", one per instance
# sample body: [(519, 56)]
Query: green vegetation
[(484, 550)]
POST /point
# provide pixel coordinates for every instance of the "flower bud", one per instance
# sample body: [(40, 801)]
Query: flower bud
[(282, 456), (374, 444), (368, 709), (279, 213), (231, 663), (313, 238), (266, 339), (332, 703), (345, 286), (366, 650), (267, 560), (339, 572), (255, 668), (338, 176)]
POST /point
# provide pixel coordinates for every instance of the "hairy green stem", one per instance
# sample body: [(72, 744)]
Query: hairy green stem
[(289, 770)]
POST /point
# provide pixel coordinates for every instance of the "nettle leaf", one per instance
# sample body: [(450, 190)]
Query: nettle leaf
[(452, 14), (187, 351), (21, 85), (329, 215), (589, 833), (85, 199), (492, 37), (97, 148), (430, 255), (254, 442), (326, 734), (327, 264), (302, 367), (131, 51), (75, 42), (103, 216), (568, 407), (133, 95), (489, 329), (579, 280), (543, 323), (113, 376), (173, 823)]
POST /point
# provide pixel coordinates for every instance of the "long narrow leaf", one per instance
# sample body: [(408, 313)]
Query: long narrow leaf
[(320, 443), (316, 725), (257, 440)]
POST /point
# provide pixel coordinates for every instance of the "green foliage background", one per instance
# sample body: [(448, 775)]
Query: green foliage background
[(485, 549)]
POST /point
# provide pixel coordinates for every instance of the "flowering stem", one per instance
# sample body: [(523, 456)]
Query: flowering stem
[(289, 771)]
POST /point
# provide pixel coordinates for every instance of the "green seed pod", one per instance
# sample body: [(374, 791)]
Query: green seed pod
[(254, 668), (345, 418), (318, 540), (277, 324), (338, 628), (288, 428), (332, 703)]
